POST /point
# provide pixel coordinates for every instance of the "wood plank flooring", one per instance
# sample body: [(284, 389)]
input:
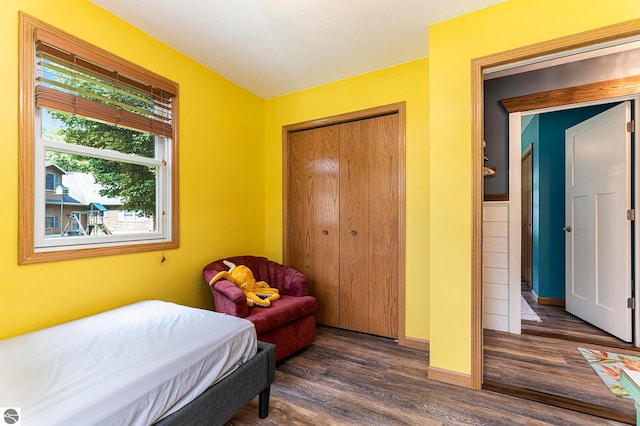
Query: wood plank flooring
[(558, 323), (543, 363), (348, 378)]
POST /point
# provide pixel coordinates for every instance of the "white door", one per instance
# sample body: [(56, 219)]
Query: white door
[(598, 233)]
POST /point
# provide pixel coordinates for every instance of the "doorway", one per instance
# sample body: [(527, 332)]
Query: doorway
[(526, 264), (545, 205), (550, 271), (598, 235), (589, 93), (562, 330)]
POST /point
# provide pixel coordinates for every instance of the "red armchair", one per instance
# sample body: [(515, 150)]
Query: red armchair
[(289, 323)]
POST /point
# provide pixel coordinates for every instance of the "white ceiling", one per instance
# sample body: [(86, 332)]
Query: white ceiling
[(274, 47)]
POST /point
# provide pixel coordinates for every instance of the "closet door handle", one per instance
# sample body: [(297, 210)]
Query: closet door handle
[(325, 232), (354, 233)]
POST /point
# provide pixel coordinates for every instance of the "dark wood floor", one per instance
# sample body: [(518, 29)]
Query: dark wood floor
[(347, 378), (558, 323), (544, 363)]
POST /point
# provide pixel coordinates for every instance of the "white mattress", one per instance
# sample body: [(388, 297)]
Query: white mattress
[(129, 366)]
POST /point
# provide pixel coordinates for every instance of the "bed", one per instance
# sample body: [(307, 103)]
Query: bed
[(151, 362)]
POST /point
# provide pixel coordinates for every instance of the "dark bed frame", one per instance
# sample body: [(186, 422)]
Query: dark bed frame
[(220, 402)]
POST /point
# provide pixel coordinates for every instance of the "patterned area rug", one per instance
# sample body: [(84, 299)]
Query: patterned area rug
[(607, 366)]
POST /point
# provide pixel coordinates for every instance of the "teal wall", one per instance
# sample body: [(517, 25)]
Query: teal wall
[(548, 195)]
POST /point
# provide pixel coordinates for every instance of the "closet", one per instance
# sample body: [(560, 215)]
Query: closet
[(343, 220)]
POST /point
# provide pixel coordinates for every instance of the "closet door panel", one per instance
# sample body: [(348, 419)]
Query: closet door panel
[(343, 221), (382, 140), (314, 216), (355, 292)]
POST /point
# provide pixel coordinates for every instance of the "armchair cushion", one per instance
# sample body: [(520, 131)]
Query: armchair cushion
[(287, 309)]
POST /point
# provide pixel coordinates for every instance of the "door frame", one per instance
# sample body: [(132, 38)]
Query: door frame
[(395, 108), (595, 91), (527, 154)]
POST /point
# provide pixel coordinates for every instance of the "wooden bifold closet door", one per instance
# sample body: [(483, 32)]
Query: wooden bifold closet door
[(343, 221)]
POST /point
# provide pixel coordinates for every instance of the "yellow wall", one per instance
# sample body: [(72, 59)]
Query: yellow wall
[(452, 46), (226, 211), (406, 82), (221, 206)]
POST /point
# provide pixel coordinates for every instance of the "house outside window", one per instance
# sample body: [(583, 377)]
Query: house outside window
[(85, 212), (101, 116)]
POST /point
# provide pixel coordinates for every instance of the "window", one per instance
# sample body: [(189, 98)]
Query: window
[(130, 216), (52, 182), (51, 222), (108, 129)]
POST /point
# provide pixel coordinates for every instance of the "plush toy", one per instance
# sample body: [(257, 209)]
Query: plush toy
[(257, 292)]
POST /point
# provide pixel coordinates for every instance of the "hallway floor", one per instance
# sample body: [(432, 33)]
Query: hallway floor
[(543, 363)]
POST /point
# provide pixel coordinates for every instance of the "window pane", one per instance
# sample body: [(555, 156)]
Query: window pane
[(92, 188), (50, 182), (71, 129), (51, 222)]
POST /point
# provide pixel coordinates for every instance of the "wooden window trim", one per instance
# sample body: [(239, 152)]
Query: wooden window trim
[(26, 185)]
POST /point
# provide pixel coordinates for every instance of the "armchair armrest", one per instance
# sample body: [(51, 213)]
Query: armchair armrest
[(229, 299)]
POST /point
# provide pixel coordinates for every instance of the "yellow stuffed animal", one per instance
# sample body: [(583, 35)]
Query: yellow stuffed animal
[(257, 292)]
